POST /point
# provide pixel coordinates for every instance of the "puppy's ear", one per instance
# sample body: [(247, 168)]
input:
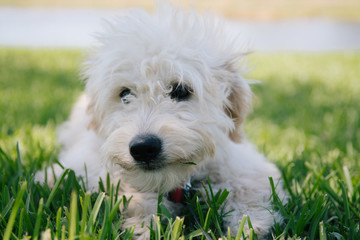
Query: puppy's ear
[(239, 103), (93, 124)]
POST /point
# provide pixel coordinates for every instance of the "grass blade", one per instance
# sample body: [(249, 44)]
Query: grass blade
[(21, 220), (194, 234), (251, 228), (106, 221), (301, 223), (207, 222), (317, 217), (38, 220), (157, 228), (115, 209), (56, 188), (73, 217), (276, 198), (241, 227), (85, 208), (14, 212), (63, 231), (58, 223), (221, 199), (18, 160), (176, 231), (95, 211), (347, 217), (229, 233), (7, 208), (252, 234), (348, 180), (322, 231), (199, 210)]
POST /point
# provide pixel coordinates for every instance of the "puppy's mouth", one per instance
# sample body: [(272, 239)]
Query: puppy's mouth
[(146, 166), (151, 165), (161, 163), (147, 154)]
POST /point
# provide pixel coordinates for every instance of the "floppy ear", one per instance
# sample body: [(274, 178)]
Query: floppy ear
[(240, 105), (93, 124), (238, 102)]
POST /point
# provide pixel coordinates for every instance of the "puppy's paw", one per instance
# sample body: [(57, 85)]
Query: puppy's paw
[(141, 231), (48, 176)]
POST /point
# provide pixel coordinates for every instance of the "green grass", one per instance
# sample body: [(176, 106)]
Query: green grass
[(306, 120)]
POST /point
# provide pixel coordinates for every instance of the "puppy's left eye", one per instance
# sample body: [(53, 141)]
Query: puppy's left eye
[(180, 93), (124, 95)]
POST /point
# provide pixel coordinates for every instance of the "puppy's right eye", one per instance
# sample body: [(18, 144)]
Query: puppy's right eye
[(180, 93), (124, 95)]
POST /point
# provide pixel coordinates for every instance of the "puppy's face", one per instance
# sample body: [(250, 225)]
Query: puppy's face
[(163, 110)]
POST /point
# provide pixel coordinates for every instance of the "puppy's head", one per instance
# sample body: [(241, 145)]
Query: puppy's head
[(165, 93)]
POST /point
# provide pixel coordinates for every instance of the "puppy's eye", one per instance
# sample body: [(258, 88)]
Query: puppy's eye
[(180, 93), (124, 94)]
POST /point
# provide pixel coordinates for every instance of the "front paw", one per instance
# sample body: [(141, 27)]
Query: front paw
[(141, 227), (49, 175)]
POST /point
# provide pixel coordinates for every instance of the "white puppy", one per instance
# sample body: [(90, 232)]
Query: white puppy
[(165, 101)]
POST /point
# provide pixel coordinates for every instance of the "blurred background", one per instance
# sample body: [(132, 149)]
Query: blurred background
[(276, 25), (306, 115)]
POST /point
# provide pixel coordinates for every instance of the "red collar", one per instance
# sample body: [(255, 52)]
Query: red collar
[(177, 195)]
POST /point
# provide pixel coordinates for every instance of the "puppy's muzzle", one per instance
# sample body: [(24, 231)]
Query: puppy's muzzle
[(146, 149)]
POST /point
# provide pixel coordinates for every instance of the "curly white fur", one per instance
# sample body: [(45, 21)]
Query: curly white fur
[(148, 54)]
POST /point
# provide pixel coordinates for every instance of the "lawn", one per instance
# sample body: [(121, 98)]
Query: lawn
[(306, 120)]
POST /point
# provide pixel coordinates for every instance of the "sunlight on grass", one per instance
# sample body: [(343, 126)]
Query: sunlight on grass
[(37, 86), (37, 91)]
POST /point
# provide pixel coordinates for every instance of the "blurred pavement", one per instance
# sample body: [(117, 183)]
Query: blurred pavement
[(73, 28)]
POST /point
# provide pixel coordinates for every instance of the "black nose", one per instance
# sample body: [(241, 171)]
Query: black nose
[(144, 148)]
